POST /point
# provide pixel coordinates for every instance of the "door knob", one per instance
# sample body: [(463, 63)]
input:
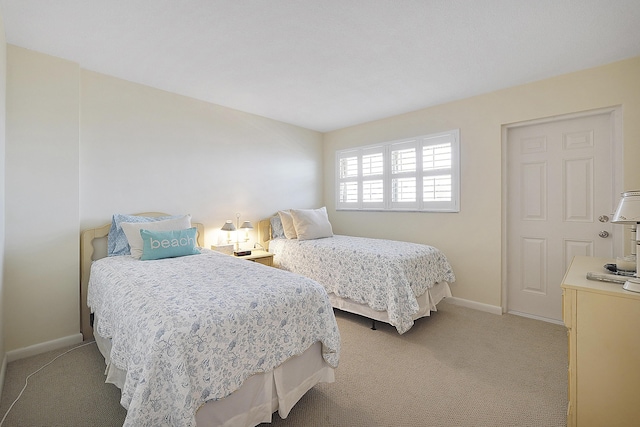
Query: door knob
[(603, 218), (603, 234)]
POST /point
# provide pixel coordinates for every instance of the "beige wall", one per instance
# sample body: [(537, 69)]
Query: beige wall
[(472, 238), (41, 269), (145, 149), (3, 98), (82, 146)]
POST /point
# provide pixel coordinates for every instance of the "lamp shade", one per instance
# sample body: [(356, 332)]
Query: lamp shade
[(246, 224), (628, 211), (228, 226)]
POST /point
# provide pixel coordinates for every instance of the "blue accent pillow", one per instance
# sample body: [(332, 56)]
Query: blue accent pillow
[(117, 243), (168, 244), (277, 230)]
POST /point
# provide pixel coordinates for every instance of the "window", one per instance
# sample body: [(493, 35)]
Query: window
[(415, 174)]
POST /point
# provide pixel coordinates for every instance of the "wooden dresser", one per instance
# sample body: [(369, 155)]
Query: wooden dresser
[(603, 323)]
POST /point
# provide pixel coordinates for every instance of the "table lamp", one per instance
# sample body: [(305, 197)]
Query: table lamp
[(228, 227), (246, 225), (628, 212)]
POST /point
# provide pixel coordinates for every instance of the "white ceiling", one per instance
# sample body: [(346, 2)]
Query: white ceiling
[(328, 64)]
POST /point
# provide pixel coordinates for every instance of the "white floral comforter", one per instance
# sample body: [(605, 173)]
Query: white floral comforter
[(192, 329), (386, 275)]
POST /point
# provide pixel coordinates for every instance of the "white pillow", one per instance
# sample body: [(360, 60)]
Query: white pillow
[(132, 230), (287, 224), (311, 223)]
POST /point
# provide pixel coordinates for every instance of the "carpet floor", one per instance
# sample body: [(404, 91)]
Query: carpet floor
[(459, 367)]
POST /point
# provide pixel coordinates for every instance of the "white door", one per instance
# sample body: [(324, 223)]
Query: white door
[(560, 195)]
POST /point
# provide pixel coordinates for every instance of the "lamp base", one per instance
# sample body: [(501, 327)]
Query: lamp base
[(632, 285)]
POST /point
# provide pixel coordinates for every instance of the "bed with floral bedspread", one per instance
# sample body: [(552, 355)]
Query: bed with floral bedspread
[(384, 275), (192, 329)]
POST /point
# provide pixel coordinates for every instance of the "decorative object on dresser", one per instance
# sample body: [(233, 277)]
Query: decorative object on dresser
[(628, 212), (604, 347), (168, 330)]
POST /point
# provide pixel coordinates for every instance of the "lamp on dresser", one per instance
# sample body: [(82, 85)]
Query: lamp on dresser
[(628, 212)]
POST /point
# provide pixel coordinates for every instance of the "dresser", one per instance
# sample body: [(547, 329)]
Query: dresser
[(603, 323)]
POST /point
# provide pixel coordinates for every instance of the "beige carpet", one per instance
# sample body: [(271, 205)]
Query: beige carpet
[(460, 367)]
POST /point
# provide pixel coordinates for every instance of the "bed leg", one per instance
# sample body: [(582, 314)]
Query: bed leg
[(373, 324)]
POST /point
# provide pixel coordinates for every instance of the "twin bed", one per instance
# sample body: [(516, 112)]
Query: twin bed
[(385, 280), (205, 339), (196, 337)]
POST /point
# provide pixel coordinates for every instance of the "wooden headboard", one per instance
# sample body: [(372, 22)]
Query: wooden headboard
[(264, 232), (93, 246)]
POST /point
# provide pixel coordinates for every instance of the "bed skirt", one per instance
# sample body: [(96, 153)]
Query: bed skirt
[(426, 302), (260, 395)]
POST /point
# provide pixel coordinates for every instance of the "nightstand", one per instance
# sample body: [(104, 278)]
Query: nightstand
[(259, 256)]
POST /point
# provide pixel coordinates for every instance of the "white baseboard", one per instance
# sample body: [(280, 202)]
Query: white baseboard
[(3, 370), (493, 309), (36, 349), (533, 316)]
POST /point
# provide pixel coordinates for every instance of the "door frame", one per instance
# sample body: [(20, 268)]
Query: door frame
[(618, 180)]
